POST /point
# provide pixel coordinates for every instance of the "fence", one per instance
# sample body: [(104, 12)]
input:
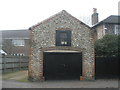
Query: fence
[(106, 67), (13, 63)]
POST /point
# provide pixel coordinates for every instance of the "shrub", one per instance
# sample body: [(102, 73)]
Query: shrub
[(107, 46)]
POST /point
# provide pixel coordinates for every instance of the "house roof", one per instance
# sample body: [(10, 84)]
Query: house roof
[(114, 19), (15, 34), (62, 12)]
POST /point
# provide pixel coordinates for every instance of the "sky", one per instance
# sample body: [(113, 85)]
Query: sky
[(22, 14)]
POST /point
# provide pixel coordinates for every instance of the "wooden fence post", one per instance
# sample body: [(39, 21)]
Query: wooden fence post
[(13, 64), (19, 62), (4, 63)]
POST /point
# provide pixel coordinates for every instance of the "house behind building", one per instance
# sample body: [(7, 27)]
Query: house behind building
[(16, 42), (108, 26)]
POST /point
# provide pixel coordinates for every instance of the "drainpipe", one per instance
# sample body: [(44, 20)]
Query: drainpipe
[(103, 29)]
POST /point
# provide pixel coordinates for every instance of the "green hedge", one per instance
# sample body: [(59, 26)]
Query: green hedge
[(108, 46)]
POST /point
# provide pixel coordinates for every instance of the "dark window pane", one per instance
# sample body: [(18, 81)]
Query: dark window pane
[(63, 38), (63, 35)]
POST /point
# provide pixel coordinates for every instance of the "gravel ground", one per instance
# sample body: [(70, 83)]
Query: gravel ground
[(108, 83)]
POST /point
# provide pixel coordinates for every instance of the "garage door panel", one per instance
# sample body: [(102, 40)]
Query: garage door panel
[(62, 65)]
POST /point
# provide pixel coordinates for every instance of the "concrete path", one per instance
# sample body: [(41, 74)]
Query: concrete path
[(62, 84)]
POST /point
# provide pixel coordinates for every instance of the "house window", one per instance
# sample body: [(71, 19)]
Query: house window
[(117, 29), (18, 42), (63, 38)]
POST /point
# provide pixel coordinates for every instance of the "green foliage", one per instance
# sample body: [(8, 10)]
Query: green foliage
[(107, 46)]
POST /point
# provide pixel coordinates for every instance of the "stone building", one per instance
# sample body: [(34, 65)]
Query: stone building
[(61, 46)]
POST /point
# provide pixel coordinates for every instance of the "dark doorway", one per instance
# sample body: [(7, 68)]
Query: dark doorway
[(62, 66)]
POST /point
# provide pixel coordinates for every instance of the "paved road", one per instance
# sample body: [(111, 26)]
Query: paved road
[(62, 84)]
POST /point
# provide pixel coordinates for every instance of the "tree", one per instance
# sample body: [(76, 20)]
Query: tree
[(107, 46)]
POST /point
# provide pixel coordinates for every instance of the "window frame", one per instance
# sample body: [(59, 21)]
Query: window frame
[(116, 30), (66, 41), (15, 42)]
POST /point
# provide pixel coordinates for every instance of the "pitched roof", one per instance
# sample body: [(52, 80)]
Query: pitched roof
[(62, 12), (112, 19), (115, 19), (18, 34)]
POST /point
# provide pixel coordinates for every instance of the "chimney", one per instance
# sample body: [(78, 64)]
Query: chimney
[(94, 16)]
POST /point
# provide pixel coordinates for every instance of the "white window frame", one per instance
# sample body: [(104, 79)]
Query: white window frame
[(18, 42)]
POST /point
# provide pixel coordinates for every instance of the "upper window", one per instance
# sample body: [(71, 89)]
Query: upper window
[(117, 29), (18, 42), (63, 38)]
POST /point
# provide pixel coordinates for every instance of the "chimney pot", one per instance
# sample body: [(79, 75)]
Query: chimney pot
[(94, 16), (94, 10)]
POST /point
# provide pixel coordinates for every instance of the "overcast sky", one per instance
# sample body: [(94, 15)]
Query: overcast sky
[(22, 14)]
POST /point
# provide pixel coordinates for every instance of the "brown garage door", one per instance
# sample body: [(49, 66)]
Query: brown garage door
[(61, 66)]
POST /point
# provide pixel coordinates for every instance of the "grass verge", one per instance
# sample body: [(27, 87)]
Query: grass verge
[(21, 76)]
